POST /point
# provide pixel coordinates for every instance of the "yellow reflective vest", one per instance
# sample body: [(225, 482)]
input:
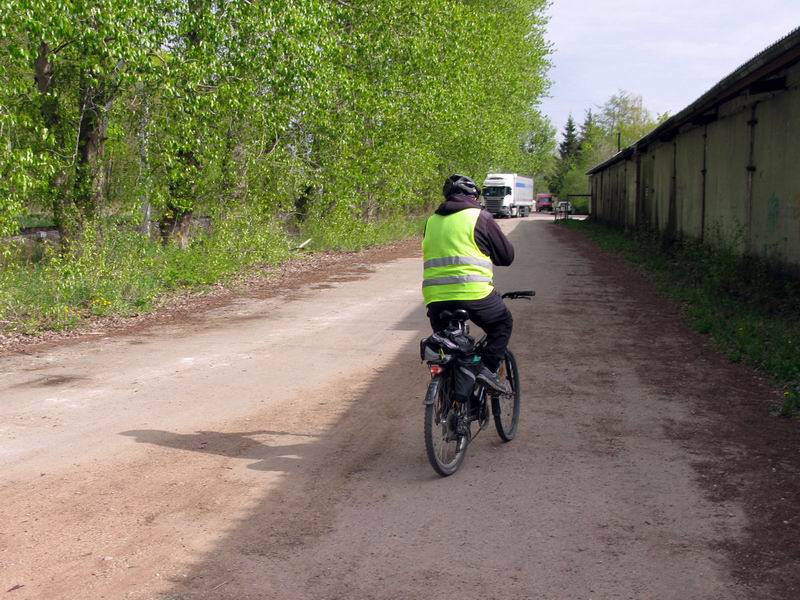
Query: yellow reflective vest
[(455, 268)]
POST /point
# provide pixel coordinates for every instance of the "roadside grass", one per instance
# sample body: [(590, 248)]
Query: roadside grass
[(35, 220), (112, 271), (344, 234), (751, 312)]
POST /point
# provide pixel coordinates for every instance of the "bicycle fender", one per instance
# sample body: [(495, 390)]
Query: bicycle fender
[(433, 391)]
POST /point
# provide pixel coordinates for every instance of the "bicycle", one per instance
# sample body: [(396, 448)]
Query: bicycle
[(450, 412)]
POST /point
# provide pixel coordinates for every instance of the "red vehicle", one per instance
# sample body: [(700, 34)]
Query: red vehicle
[(545, 202)]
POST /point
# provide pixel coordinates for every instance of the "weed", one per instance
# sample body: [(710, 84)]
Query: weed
[(111, 270), (790, 407), (341, 232), (751, 312), (35, 220)]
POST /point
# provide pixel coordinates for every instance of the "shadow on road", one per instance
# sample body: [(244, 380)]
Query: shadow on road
[(244, 445), (374, 446)]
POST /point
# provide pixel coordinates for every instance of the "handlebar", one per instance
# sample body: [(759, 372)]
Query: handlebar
[(524, 294)]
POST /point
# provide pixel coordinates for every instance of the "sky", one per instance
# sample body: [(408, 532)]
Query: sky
[(668, 51)]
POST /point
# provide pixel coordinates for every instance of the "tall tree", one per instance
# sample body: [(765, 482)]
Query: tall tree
[(344, 111), (568, 151), (539, 144), (624, 113), (80, 57), (568, 148), (588, 131)]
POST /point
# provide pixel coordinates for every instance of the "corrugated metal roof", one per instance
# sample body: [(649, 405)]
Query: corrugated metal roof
[(773, 58)]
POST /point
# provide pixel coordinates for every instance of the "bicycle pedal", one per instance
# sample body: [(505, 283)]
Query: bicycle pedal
[(463, 429)]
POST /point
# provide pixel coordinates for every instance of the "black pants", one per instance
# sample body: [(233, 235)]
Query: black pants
[(490, 314)]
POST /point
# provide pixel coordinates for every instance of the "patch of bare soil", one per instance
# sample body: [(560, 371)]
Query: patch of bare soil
[(745, 454), (87, 528), (308, 270)]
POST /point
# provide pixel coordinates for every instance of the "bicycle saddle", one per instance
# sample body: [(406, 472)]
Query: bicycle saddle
[(456, 315)]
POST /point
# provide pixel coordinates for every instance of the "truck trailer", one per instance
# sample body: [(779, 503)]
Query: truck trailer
[(508, 194)]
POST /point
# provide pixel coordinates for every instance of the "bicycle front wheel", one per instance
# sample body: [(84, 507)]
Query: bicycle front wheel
[(445, 447), (505, 407)]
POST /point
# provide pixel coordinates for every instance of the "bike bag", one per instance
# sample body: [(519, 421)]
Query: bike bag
[(442, 345), (464, 370)]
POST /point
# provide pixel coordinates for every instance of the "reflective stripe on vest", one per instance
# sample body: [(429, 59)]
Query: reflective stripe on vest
[(455, 279), (455, 268), (457, 260)]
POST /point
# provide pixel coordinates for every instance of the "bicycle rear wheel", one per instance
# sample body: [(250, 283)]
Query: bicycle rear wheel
[(505, 407), (445, 448)]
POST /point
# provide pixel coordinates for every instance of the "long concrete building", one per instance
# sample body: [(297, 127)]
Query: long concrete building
[(726, 169)]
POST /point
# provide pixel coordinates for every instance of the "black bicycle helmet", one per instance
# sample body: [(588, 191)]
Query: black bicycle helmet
[(462, 184)]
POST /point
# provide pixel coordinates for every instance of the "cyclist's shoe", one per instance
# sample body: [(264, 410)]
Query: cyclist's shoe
[(491, 380)]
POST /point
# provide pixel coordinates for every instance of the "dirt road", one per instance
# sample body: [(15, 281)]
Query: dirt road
[(272, 449)]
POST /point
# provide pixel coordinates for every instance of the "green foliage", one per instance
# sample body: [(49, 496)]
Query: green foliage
[(539, 145), (790, 408), (622, 119), (753, 315), (341, 233), (624, 114), (35, 220), (568, 148), (573, 153), (186, 105), (121, 272), (64, 65), (335, 118)]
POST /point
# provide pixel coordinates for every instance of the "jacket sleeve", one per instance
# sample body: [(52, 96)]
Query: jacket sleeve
[(492, 241)]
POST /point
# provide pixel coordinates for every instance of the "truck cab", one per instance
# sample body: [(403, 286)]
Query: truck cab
[(508, 194), (545, 202)]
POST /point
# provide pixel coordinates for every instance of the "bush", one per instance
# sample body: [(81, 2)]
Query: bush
[(113, 271), (341, 232)]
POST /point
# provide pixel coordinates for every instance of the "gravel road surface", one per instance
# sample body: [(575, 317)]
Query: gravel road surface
[(271, 448)]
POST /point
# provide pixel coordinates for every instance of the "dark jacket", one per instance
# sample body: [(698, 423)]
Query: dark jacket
[(488, 235)]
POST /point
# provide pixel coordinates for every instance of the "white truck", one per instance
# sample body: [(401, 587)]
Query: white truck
[(508, 194)]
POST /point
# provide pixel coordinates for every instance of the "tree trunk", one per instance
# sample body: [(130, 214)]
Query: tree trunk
[(182, 188), (89, 175), (144, 169), (174, 224), (51, 118)]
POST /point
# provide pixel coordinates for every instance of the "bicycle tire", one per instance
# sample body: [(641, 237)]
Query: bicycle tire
[(505, 407), (437, 430)]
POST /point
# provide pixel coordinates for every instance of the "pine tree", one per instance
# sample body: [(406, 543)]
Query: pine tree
[(568, 153), (568, 148), (587, 131)]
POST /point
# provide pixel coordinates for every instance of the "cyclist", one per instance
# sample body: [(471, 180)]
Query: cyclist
[(460, 247)]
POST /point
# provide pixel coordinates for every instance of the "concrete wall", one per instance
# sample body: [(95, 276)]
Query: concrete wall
[(727, 150), (775, 218), (733, 180), (630, 195), (689, 180), (663, 159)]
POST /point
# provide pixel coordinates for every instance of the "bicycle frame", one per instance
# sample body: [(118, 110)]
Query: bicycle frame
[(448, 421)]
